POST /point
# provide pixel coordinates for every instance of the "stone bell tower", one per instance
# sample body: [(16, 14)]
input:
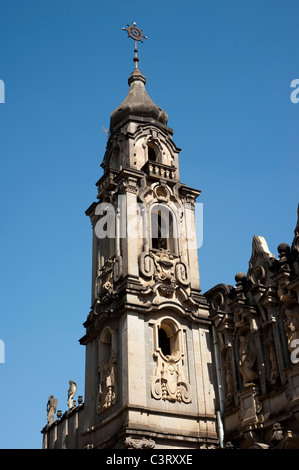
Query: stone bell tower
[(149, 374)]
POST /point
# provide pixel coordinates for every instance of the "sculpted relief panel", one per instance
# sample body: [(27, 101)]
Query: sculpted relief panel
[(166, 270), (169, 381), (291, 326), (161, 262), (247, 359), (107, 391)]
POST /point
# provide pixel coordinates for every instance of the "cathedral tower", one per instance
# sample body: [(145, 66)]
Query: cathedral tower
[(149, 379), (157, 350), (148, 355)]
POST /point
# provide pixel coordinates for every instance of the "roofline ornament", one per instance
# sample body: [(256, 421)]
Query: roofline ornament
[(135, 34)]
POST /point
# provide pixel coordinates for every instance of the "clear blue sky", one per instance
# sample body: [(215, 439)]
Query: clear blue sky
[(222, 71)]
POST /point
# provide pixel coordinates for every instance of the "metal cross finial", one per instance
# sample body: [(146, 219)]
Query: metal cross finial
[(136, 34)]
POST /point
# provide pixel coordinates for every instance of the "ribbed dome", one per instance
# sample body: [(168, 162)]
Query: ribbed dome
[(137, 103)]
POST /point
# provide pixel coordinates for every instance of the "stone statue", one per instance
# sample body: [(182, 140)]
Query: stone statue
[(291, 327), (51, 409), (71, 393), (107, 391), (247, 360), (277, 435)]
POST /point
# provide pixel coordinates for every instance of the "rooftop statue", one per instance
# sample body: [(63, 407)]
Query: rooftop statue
[(71, 393), (51, 409)]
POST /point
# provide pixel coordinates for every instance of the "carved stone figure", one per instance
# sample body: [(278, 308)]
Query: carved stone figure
[(107, 391), (247, 359), (71, 393), (291, 327), (105, 278), (277, 435), (250, 409), (51, 409)]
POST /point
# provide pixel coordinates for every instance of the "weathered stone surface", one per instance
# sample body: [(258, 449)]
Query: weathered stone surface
[(149, 358), (257, 322), (166, 366)]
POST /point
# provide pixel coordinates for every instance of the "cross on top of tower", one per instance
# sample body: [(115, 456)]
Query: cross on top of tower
[(135, 34)]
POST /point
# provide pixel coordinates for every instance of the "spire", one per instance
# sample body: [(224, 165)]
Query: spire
[(137, 103)]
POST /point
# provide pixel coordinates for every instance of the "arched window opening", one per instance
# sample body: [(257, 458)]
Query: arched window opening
[(164, 342), (169, 339), (114, 161), (152, 155), (162, 228)]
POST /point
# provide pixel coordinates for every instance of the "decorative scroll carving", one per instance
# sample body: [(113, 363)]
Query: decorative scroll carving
[(170, 384), (258, 274), (218, 301), (143, 443), (146, 264), (182, 275), (167, 270)]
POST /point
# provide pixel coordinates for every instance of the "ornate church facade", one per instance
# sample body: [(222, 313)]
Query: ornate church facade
[(166, 365)]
